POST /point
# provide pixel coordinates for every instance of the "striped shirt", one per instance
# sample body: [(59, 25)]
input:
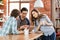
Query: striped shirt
[(10, 26)]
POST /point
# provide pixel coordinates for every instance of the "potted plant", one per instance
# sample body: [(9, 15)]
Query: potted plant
[(0, 1)]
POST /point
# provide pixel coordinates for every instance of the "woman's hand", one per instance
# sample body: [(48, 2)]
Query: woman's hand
[(42, 23)]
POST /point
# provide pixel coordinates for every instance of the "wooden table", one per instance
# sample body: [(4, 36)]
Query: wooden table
[(31, 36)]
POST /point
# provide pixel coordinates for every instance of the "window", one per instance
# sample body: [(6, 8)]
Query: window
[(12, 6), (25, 0), (14, 0), (27, 6), (17, 4)]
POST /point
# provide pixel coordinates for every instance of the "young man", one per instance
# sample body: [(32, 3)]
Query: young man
[(23, 22)]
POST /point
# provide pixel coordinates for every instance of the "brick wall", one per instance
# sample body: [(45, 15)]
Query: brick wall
[(4, 2), (46, 9)]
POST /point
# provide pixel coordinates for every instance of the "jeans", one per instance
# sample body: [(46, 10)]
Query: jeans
[(51, 37)]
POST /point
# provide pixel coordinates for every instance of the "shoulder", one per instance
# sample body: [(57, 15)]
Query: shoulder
[(45, 16), (11, 18), (26, 19)]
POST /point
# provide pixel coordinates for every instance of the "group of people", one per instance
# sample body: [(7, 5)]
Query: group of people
[(18, 21)]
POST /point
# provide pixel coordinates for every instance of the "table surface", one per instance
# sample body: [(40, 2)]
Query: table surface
[(31, 36)]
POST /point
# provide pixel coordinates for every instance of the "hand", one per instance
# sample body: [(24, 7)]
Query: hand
[(21, 27), (41, 23), (24, 26)]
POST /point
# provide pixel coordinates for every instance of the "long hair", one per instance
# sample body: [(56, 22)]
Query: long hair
[(39, 15)]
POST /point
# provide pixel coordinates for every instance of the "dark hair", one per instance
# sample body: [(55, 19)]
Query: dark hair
[(15, 13), (32, 15), (34, 10), (24, 9), (39, 15)]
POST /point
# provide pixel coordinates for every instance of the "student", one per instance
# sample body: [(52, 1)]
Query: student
[(10, 26), (23, 22), (42, 22)]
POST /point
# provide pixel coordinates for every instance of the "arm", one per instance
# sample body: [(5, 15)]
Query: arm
[(48, 22), (14, 27), (18, 24), (24, 26), (40, 23)]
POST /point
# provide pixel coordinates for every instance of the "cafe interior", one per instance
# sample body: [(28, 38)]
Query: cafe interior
[(49, 7)]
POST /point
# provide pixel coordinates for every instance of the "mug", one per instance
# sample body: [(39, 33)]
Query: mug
[(26, 32)]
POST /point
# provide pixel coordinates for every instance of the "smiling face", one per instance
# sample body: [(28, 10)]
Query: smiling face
[(24, 13), (35, 14)]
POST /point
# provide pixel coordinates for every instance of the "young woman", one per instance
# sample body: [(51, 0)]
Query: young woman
[(42, 22), (10, 26)]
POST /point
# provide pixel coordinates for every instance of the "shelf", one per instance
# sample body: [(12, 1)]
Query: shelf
[(57, 7), (1, 12), (57, 18), (1, 4)]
